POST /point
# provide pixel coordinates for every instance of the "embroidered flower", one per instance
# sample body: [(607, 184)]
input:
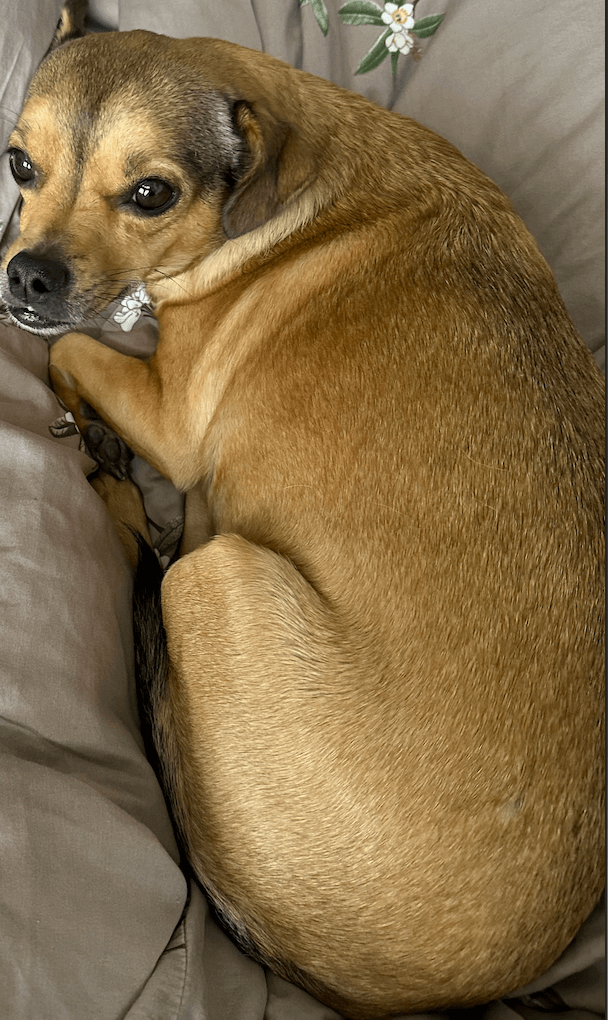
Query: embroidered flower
[(130, 308), (399, 42), (64, 426), (398, 18), (401, 30)]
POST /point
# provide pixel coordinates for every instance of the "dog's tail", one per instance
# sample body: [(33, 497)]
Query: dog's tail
[(152, 680), (150, 642)]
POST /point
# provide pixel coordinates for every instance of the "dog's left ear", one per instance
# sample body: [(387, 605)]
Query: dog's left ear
[(71, 23), (280, 167)]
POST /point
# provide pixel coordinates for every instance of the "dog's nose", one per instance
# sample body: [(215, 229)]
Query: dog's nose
[(33, 279)]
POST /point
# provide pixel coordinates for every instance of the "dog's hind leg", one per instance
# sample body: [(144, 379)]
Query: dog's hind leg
[(256, 660)]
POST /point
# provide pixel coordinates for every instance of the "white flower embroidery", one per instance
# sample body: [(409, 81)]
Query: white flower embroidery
[(130, 308), (64, 426), (400, 42), (398, 18), (163, 560), (401, 30)]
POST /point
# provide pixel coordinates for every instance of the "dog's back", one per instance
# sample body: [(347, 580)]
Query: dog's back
[(419, 434)]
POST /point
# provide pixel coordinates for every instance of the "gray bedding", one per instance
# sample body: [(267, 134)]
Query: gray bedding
[(97, 922)]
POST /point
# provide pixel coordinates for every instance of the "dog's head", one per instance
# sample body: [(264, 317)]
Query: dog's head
[(138, 156)]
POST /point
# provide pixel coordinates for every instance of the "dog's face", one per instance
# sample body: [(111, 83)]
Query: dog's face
[(133, 166)]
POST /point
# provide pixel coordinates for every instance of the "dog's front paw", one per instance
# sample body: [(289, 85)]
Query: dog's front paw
[(63, 355), (104, 445)]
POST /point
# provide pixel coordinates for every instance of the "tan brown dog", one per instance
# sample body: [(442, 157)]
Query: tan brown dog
[(382, 726)]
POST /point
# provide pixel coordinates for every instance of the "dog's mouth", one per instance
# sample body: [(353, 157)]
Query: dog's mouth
[(80, 310), (28, 318)]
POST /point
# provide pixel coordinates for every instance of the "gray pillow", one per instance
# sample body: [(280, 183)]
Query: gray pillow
[(91, 895)]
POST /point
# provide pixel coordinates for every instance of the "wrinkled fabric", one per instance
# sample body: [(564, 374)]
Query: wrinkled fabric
[(97, 920)]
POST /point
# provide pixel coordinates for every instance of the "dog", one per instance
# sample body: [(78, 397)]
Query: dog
[(378, 713)]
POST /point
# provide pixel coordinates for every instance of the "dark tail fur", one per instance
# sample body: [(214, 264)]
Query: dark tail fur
[(151, 664)]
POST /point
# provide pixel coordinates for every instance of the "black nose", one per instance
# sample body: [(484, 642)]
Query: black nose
[(34, 280)]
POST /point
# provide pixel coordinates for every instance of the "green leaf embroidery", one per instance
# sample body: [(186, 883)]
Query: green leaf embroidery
[(361, 12), (427, 26), (376, 55), (366, 12), (320, 13)]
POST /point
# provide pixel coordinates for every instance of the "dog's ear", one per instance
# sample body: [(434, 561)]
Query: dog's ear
[(71, 23), (279, 167)]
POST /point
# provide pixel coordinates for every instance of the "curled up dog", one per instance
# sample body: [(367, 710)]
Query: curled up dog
[(380, 722)]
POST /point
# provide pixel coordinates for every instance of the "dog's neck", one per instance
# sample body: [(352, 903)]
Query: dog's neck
[(230, 259)]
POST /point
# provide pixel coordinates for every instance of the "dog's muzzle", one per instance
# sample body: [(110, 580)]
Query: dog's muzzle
[(39, 288)]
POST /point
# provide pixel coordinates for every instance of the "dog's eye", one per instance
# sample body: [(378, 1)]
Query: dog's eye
[(21, 166), (153, 195)]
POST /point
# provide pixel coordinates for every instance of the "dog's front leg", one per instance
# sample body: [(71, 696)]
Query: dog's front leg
[(124, 391)]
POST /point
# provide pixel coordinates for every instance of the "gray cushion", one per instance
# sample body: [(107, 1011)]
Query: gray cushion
[(96, 919)]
